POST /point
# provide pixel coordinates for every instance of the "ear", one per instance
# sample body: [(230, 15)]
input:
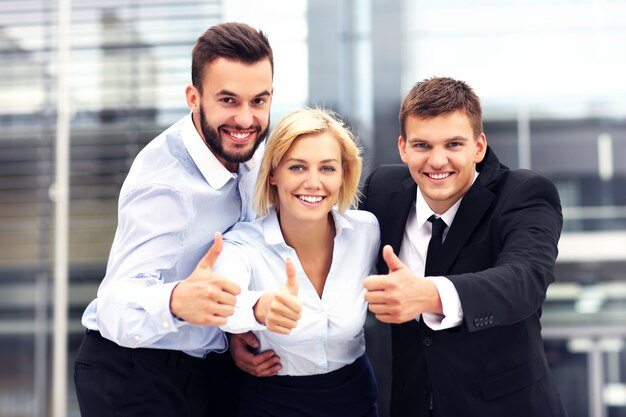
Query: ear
[(193, 98), (481, 148), (402, 149), (272, 181)]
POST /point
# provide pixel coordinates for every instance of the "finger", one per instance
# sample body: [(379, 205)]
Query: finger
[(375, 297), (262, 359), (251, 340), (261, 364), (226, 285), (379, 308), (276, 328), (386, 318), (375, 282), (393, 262), (287, 305), (281, 316), (214, 251), (271, 369), (277, 320), (212, 320), (219, 310), (222, 298), (292, 279)]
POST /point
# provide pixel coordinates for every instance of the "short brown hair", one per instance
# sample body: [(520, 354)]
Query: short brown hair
[(440, 95), (299, 123), (236, 41)]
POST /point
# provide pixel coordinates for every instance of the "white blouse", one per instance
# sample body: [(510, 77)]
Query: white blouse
[(330, 333)]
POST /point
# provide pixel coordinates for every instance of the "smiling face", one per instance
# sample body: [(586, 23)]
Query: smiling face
[(232, 112), (308, 179), (441, 153)]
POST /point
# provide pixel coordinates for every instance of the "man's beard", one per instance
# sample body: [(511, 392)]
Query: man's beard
[(213, 141)]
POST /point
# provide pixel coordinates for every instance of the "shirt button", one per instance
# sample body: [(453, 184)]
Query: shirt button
[(166, 325), (137, 337), (427, 341)]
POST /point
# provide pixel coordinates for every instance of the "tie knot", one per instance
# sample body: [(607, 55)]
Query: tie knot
[(438, 225)]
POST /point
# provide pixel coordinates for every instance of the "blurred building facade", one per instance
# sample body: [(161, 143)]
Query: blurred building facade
[(550, 75)]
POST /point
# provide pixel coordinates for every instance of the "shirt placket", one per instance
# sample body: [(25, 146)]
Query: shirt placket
[(321, 356)]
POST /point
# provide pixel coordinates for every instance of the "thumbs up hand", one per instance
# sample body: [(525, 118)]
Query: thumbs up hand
[(281, 310), (205, 297), (400, 296)]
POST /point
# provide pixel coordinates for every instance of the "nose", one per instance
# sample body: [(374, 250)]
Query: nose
[(312, 180), (438, 157), (244, 116)]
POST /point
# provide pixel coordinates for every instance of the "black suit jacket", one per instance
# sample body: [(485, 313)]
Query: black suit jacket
[(499, 253)]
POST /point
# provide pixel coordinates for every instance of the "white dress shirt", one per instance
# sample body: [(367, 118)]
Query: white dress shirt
[(413, 254), (175, 197), (330, 333)]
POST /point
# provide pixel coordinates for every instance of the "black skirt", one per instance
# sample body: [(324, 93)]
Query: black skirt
[(347, 392)]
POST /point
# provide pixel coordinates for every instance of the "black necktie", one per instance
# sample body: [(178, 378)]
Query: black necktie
[(434, 246)]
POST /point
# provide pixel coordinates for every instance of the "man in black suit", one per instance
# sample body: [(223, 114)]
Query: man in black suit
[(466, 332)]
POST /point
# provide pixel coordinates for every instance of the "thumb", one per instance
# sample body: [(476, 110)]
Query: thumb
[(292, 279), (214, 251), (393, 262)]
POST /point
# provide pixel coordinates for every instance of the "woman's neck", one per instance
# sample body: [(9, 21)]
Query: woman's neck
[(314, 244), (302, 235)]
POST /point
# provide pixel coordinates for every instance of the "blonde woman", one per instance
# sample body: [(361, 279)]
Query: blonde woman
[(301, 267)]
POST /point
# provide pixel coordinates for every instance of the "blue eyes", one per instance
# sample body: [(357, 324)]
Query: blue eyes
[(424, 145), (299, 168)]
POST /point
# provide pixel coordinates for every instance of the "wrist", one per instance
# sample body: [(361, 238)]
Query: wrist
[(260, 308), (172, 304)]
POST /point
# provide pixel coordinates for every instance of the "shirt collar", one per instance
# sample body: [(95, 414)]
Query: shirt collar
[(274, 236), (423, 211), (211, 168)]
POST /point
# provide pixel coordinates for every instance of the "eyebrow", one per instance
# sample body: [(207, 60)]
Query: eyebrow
[(325, 161), (451, 139), (229, 93)]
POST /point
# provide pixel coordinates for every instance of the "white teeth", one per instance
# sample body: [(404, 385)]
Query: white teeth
[(240, 135), (439, 176), (310, 198)]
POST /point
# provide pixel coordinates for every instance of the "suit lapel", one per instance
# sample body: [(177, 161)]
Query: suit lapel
[(399, 206), (473, 206), (471, 211)]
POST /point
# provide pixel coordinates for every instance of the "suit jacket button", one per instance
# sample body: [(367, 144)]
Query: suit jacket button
[(491, 319), (427, 341), (476, 323)]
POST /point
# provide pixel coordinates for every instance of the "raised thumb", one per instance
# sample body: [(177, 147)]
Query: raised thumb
[(214, 251), (292, 279), (393, 262)]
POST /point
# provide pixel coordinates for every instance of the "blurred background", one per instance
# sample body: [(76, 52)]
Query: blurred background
[(551, 75)]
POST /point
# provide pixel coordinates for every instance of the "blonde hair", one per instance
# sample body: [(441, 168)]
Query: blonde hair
[(296, 124)]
